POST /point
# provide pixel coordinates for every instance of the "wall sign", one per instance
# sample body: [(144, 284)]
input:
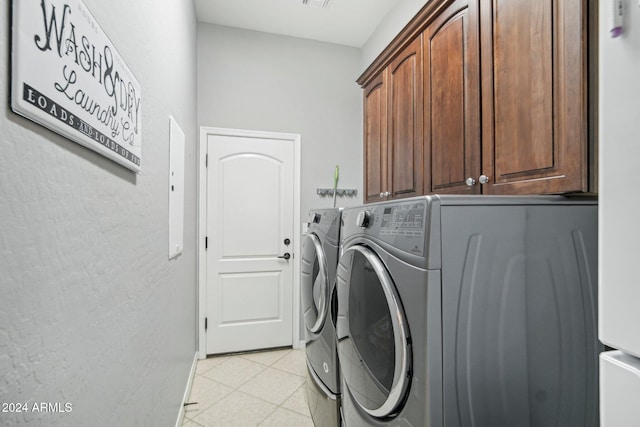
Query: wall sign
[(68, 77)]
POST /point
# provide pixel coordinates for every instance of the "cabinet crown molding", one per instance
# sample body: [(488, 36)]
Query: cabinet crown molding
[(410, 31)]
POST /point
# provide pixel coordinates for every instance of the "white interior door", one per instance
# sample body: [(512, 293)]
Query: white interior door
[(250, 217)]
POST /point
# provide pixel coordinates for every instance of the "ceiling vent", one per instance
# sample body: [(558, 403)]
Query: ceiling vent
[(317, 3)]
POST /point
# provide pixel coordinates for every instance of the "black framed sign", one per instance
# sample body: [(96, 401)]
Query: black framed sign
[(68, 77)]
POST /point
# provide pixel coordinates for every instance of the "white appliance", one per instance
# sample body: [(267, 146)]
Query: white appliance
[(619, 224)]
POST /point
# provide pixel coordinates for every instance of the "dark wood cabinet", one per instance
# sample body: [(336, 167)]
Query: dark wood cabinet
[(452, 100), (488, 97), (375, 138), (534, 96), (393, 143), (405, 174)]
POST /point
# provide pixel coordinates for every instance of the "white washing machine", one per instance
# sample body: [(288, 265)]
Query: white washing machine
[(463, 311), (320, 251)]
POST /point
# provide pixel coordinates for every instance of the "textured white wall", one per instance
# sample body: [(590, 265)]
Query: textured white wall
[(258, 81), (92, 312)]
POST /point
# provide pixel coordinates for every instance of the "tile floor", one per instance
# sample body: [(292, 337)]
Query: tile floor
[(252, 389)]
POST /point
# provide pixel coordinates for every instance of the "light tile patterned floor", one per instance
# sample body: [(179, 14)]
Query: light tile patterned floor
[(253, 389)]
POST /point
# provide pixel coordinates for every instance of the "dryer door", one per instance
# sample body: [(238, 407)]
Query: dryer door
[(373, 338), (314, 283)]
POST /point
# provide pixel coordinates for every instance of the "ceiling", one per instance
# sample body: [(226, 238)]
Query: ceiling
[(345, 22)]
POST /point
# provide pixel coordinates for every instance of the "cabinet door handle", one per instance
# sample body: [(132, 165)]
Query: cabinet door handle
[(483, 179), (470, 182)]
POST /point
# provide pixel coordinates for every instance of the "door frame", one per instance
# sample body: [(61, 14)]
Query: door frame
[(295, 139)]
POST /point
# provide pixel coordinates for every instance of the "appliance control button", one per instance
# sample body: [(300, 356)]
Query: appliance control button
[(363, 219)]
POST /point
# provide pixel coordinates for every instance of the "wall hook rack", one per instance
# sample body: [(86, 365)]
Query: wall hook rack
[(342, 192)]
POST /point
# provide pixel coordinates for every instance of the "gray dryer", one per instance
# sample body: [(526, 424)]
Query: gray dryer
[(462, 311)]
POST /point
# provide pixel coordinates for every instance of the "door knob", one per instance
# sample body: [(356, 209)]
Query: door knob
[(286, 255), (470, 182), (483, 179)]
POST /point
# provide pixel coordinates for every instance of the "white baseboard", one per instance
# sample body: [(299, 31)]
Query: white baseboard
[(192, 374), (300, 345)]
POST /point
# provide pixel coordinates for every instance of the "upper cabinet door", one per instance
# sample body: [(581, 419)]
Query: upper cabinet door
[(534, 137), (375, 139), (405, 143), (452, 100)]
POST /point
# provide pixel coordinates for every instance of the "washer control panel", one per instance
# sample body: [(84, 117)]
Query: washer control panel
[(403, 225), (403, 220), (400, 224)]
